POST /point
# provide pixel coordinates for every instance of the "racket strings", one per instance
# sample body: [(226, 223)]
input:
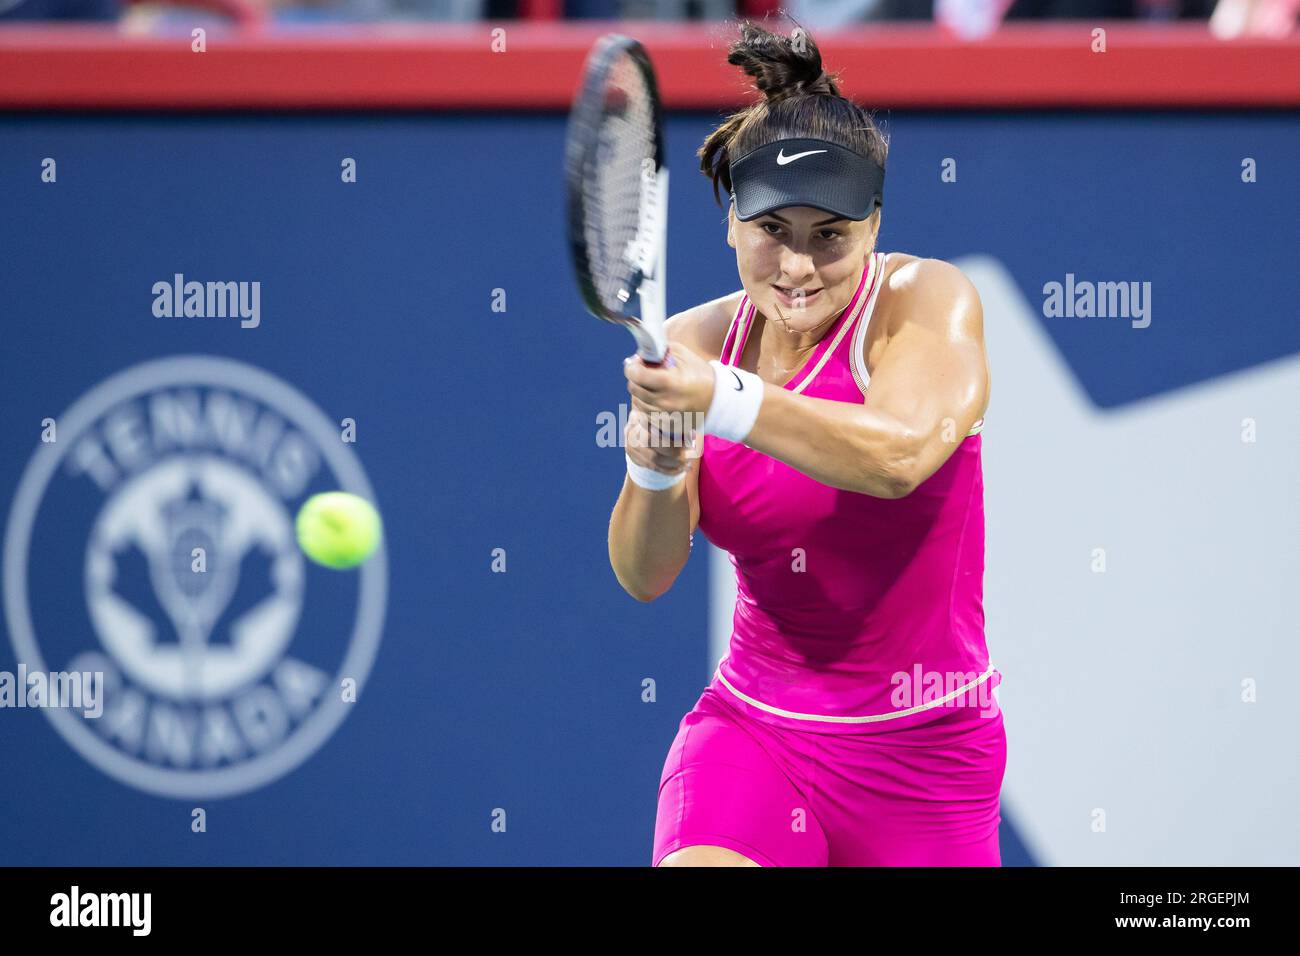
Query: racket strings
[(616, 182)]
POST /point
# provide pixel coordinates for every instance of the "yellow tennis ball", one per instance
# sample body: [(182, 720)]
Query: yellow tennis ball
[(338, 529)]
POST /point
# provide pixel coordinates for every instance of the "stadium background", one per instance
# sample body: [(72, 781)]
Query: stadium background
[(478, 428)]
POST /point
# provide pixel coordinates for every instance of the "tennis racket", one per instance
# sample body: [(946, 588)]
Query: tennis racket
[(618, 192)]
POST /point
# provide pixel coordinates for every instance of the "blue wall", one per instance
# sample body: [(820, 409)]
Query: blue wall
[(477, 428)]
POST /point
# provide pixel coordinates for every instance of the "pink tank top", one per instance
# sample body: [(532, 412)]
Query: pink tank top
[(854, 614)]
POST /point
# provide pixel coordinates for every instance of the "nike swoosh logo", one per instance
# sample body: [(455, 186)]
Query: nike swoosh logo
[(782, 158), (740, 386)]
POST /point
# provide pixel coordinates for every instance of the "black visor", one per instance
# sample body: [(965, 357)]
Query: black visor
[(806, 172)]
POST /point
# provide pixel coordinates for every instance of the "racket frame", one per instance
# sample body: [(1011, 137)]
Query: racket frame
[(643, 295)]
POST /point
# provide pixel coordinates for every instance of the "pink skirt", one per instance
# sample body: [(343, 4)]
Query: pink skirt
[(917, 796)]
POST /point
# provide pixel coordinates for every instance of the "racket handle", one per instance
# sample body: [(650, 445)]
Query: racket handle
[(665, 362)]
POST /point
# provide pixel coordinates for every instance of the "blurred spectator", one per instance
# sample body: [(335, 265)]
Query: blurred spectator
[(830, 14), (1274, 18), (669, 9), (59, 9), (676, 9), (591, 9), (1110, 9), (843, 11), (443, 10), (975, 18)]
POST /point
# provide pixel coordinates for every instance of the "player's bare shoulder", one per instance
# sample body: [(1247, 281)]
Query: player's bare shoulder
[(703, 328), (931, 291)]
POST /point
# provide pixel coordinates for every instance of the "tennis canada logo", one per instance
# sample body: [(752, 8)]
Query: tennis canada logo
[(152, 540)]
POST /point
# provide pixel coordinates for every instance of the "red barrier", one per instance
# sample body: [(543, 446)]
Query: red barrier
[(454, 66)]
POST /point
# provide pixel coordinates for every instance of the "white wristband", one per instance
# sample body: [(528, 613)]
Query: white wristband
[(648, 478), (736, 397)]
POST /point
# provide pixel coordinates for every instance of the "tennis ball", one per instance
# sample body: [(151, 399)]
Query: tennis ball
[(338, 529)]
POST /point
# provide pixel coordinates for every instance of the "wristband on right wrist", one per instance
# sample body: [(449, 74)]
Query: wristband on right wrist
[(737, 395)]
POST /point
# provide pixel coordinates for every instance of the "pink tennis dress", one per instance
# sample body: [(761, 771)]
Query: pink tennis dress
[(852, 721)]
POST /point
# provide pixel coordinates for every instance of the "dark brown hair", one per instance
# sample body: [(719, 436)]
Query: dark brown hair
[(800, 100)]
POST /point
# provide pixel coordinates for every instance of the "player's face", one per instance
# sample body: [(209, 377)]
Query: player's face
[(800, 265)]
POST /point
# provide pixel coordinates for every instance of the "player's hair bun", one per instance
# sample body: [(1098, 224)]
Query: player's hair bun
[(781, 66)]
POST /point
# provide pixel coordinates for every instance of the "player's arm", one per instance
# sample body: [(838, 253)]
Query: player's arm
[(650, 531), (927, 390)]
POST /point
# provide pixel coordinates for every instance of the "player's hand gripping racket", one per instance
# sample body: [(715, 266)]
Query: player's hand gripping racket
[(618, 192)]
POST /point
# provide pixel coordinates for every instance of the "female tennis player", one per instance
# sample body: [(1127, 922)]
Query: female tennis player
[(840, 396)]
